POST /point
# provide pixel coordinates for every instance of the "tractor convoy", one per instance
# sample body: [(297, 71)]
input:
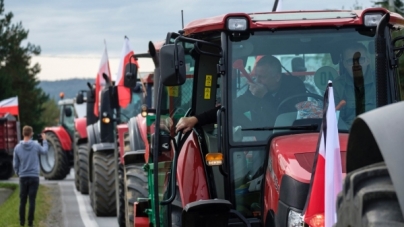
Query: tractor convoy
[(252, 165)]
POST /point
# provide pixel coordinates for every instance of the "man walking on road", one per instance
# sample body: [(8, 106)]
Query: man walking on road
[(26, 166)]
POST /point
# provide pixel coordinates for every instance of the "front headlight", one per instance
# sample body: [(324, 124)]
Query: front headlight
[(295, 219), (372, 20), (237, 24)]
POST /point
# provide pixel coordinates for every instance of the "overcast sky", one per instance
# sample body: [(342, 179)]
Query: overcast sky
[(71, 33)]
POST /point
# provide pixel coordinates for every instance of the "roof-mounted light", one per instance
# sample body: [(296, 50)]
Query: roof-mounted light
[(372, 20), (237, 23)]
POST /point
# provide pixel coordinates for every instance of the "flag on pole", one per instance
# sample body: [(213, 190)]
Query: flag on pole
[(99, 80), (124, 94), (326, 180), (10, 105), (279, 6)]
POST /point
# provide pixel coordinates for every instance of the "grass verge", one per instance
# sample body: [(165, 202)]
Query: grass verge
[(9, 209)]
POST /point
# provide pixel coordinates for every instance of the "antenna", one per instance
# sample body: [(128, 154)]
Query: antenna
[(182, 18), (275, 5)]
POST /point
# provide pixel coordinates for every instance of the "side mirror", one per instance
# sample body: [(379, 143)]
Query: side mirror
[(172, 74), (130, 74), (80, 98), (68, 112)]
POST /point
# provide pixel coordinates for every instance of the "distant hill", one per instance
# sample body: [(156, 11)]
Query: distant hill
[(69, 87)]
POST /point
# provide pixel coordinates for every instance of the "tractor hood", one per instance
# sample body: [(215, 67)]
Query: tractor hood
[(295, 154)]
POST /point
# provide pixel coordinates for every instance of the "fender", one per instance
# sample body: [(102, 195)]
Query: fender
[(103, 147), (192, 182), (62, 135), (142, 126), (376, 136), (80, 125)]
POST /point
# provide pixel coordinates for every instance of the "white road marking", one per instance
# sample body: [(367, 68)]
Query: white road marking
[(85, 217)]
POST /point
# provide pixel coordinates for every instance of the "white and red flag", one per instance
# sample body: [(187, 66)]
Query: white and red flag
[(124, 93), (326, 180), (99, 80), (10, 106)]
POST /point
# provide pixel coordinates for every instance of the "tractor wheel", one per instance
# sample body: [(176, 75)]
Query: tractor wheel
[(121, 207), (6, 170), (55, 164), (83, 168), (135, 187), (76, 167), (368, 198), (104, 198)]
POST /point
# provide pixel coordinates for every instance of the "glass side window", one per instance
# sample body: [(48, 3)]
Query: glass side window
[(279, 79), (133, 108), (68, 116), (177, 100), (247, 174), (400, 69)]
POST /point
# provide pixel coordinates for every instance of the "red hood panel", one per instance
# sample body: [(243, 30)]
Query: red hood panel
[(295, 153)]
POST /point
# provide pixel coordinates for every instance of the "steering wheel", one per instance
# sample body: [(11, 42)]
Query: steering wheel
[(293, 97)]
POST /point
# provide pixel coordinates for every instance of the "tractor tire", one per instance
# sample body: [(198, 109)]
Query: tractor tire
[(6, 170), (76, 168), (83, 168), (121, 193), (136, 186), (103, 185), (60, 167), (368, 198)]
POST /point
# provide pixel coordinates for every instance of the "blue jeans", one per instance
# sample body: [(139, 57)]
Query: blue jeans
[(28, 189)]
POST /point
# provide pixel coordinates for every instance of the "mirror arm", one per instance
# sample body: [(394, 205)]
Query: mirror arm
[(106, 78)]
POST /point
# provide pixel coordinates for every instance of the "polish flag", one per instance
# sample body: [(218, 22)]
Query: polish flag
[(124, 94), (99, 80), (326, 181), (10, 106)]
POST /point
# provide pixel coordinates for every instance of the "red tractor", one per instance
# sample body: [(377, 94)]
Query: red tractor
[(9, 138), (133, 143), (254, 167), (56, 164), (108, 137)]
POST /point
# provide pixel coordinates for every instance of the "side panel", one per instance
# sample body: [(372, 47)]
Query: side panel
[(80, 125), (62, 135), (191, 172)]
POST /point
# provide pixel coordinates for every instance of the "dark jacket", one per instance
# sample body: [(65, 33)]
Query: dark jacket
[(264, 107)]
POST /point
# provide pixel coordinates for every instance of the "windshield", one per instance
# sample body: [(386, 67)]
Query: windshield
[(279, 79), (133, 108)]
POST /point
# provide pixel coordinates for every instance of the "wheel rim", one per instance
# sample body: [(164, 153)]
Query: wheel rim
[(48, 160)]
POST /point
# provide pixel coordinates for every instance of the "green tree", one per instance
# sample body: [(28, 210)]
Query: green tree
[(50, 115), (17, 78), (398, 5)]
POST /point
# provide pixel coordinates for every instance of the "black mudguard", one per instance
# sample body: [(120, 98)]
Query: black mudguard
[(376, 136)]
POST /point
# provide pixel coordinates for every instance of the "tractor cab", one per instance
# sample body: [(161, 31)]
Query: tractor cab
[(263, 76), (69, 111)]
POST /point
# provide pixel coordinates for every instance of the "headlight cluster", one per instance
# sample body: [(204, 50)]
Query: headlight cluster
[(295, 219)]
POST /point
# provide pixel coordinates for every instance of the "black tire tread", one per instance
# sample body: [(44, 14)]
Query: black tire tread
[(62, 167), (368, 198), (104, 199), (136, 186), (83, 168)]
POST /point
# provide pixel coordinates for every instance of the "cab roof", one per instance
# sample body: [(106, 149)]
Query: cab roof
[(285, 19)]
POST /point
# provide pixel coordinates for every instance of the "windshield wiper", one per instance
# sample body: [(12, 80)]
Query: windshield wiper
[(295, 127)]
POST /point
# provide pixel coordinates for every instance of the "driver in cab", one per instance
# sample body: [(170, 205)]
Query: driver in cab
[(262, 98)]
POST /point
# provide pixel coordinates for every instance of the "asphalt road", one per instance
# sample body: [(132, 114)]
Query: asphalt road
[(77, 211)]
